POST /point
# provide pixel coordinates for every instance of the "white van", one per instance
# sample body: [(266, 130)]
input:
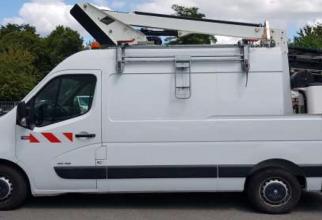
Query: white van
[(172, 119)]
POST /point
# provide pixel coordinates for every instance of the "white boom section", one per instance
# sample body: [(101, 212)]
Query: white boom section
[(116, 30), (117, 26)]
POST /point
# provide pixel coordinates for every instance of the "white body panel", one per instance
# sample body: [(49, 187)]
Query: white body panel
[(314, 97), (140, 124)]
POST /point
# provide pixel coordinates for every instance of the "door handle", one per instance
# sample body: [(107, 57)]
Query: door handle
[(85, 135)]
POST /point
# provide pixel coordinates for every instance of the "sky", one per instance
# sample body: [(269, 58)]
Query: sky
[(45, 15)]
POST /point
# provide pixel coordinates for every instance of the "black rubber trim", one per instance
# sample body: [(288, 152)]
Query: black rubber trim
[(312, 171), (150, 172), (91, 27), (196, 19), (81, 172), (146, 172), (233, 171), (137, 172)]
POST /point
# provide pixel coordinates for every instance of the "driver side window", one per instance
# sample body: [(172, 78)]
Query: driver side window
[(63, 98)]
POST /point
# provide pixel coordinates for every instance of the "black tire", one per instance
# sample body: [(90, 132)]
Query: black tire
[(18, 191), (273, 191)]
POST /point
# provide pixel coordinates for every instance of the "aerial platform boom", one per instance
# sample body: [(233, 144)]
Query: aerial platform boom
[(112, 28)]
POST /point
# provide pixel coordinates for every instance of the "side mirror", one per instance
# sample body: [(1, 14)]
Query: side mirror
[(23, 118)]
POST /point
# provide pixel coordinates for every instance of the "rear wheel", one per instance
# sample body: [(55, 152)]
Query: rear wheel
[(13, 188), (274, 191)]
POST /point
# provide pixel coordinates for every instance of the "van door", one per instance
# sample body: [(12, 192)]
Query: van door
[(66, 113), (152, 137)]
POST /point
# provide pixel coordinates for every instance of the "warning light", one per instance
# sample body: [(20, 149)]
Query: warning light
[(95, 45)]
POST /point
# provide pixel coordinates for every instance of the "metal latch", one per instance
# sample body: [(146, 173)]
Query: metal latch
[(183, 77), (245, 50), (120, 59)]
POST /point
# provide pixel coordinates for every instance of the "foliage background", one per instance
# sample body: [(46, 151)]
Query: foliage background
[(26, 57), (309, 37)]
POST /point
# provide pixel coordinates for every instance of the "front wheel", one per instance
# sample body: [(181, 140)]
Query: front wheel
[(274, 191), (13, 188)]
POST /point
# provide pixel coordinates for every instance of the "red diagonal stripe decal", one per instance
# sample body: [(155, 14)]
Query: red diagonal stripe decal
[(51, 137), (33, 139), (69, 136)]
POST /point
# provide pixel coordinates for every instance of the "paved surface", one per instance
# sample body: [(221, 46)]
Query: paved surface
[(166, 206)]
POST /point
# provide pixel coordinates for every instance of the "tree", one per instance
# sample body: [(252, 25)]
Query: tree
[(26, 57), (21, 53), (192, 12), (61, 43), (17, 74), (23, 37), (309, 37), (9, 28)]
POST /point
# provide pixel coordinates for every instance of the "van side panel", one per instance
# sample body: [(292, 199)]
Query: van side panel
[(225, 128)]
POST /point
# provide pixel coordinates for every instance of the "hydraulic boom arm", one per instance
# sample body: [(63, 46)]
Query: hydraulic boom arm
[(112, 28)]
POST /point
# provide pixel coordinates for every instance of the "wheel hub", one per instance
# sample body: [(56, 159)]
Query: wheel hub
[(5, 188), (275, 192)]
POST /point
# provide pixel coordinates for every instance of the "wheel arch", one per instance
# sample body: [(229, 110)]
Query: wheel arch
[(18, 168), (280, 164)]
